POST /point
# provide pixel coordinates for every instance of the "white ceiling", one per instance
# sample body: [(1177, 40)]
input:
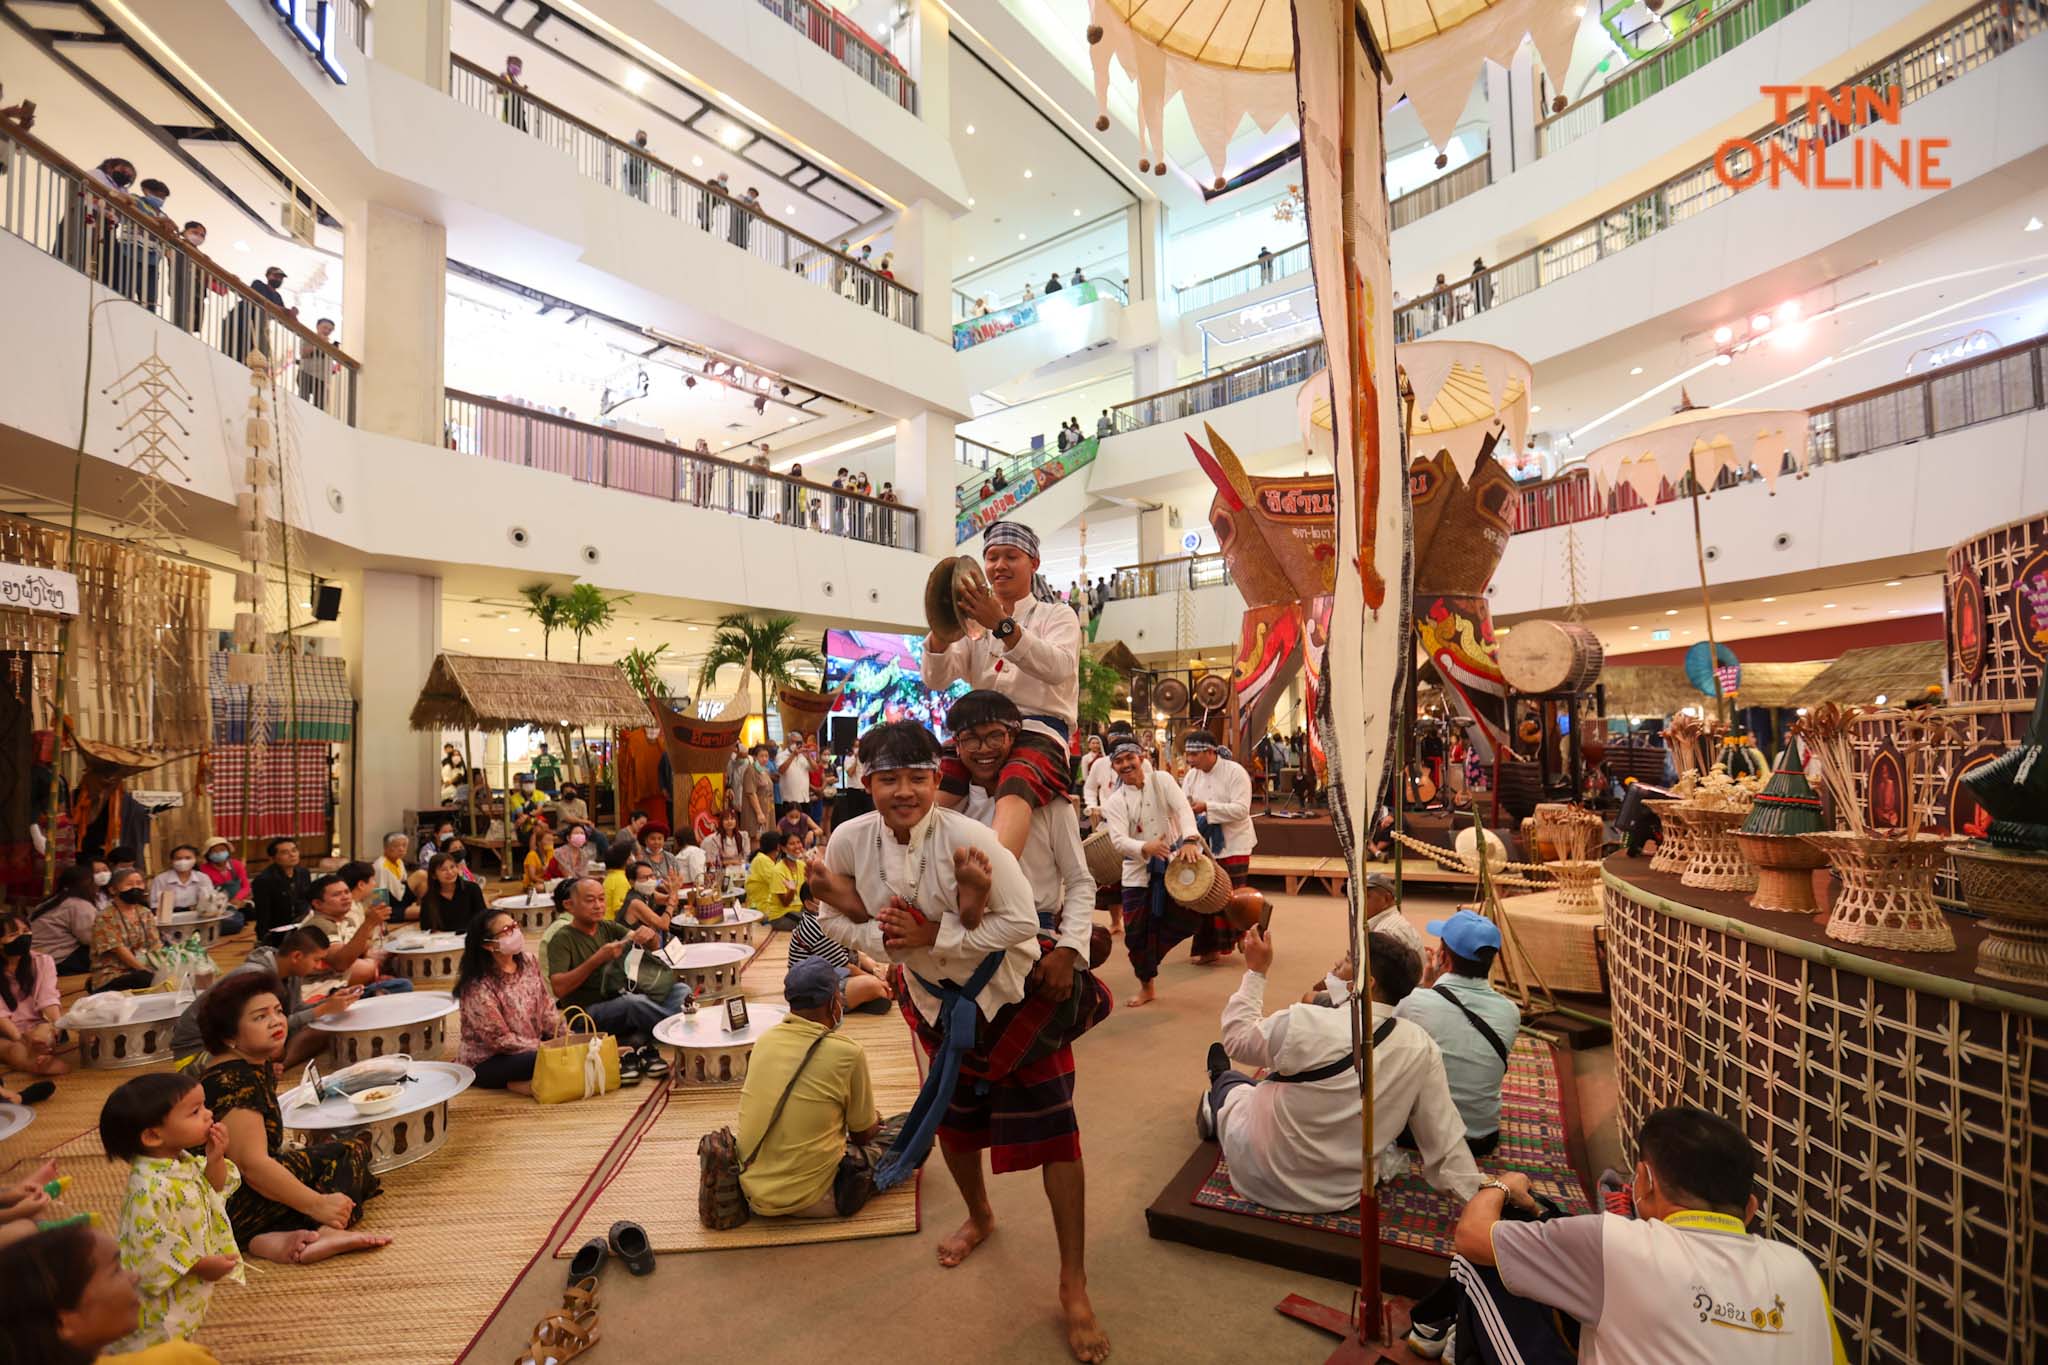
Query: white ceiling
[(1848, 604)]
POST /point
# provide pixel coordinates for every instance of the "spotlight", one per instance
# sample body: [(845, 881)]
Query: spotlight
[(1760, 323), (761, 405), (1788, 311), (1723, 335), (785, 390)]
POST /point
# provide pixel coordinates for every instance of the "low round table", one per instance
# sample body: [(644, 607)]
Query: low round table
[(415, 1023), (14, 1118), (712, 970), (706, 1053), (191, 922), (415, 1128), (434, 960), (534, 911), (145, 1038), (736, 927)]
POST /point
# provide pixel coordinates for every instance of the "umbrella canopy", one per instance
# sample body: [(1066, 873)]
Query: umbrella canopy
[(1707, 440), (1461, 388)]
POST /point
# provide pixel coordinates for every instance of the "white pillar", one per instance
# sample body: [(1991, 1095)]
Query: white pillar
[(402, 262), (934, 72), (1147, 248), (1512, 111), (1155, 537), (391, 629), (924, 261), (925, 476), (412, 38)]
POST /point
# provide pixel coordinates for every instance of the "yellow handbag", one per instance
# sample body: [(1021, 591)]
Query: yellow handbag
[(575, 1066)]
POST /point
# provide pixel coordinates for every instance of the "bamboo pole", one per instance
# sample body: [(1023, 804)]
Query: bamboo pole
[(1699, 549)]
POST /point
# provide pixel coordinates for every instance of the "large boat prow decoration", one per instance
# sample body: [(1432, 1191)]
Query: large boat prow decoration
[(694, 745), (804, 711)]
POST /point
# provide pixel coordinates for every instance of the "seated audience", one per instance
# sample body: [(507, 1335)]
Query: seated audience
[(628, 837), (729, 847), (229, 875), (586, 970), (541, 864), (299, 954), (437, 838), (819, 1080), (61, 926), (1473, 1024), (771, 888), (280, 891), (647, 901), (618, 878), (347, 908), (1383, 915), (450, 904), (122, 934), (678, 862), (318, 1189), (1292, 1138), (69, 1300), (29, 995), (574, 856), (1619, 1278), (179, 887), (458, 852), (797, 828), (569, 806), (174, 1233), (390, 871), (506, 1012), (862, 981)]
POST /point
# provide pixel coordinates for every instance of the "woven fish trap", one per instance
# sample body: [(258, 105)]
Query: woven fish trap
[(1674, 851), (1784, 866), (1887, 895), (1717, 863)]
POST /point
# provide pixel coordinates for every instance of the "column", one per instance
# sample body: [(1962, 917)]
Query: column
[(925, 476), (924, 261), (1156, 539), (391, 630), (934, 79), (412, 38), (1512, 112), (402, 262), (1146, 220)]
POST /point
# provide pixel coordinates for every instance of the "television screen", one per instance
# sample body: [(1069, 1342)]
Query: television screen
[(880, 675)]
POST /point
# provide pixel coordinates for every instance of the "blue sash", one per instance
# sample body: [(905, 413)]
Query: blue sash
[(1211, 835), (959, 1024), (1156, 869)]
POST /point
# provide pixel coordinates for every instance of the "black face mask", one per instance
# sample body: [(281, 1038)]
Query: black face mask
[(16, 947), (136, 895), (122, 178), (460, 855)]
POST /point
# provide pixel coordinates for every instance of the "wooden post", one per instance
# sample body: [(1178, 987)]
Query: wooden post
[(1699, 549)]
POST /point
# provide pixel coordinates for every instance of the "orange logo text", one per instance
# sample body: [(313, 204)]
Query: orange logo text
[(1825, 159)]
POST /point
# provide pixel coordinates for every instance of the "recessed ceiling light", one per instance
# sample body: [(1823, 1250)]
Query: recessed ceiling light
[(1538, 407), (511, 630), (1770, 599), (1077, 213), (789, 208), (1672, 612), (629, 639), (1760, 323), (970, 260), (1727, 618), (463, 641), (241, 246), (970, 201), (636, 79), (2033, 225), (1784, 623), (1635, 627), (690, 627), (529, 654), (1723, 334), (1027, 172), (1895, 583), (1891, 611), (970, 130), (1827, 606), (696, 161), (1637, 370)]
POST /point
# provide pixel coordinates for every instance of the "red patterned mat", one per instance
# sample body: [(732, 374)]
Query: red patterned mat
[(1534, 1138)]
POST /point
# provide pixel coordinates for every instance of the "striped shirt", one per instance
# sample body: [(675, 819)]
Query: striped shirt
[(810, 940)]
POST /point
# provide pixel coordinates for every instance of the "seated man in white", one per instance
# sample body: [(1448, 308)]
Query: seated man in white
[(1291, 1139)]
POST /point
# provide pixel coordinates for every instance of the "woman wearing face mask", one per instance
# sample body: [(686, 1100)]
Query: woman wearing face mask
[(182, 888), (459, 851), (575, 857), (646, 903), (506, 1012), (28, 1003), (230, 877), (450, 904), (62, 925), (121, 934)]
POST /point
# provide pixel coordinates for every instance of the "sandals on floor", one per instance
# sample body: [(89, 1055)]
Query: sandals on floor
[(35, 1092), (588, 1260), (561, 1337), (580, 1296), (629, 1243)]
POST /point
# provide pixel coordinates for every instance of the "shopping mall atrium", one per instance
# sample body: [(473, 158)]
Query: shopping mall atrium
[(631, 628)]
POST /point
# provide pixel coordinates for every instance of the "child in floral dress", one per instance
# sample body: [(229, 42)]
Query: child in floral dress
[(174, 1231)]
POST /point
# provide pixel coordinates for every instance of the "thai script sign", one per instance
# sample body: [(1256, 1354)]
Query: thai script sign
[(25, 587)]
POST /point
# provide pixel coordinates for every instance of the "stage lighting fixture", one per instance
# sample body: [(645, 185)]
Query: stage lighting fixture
[(1723, 335)]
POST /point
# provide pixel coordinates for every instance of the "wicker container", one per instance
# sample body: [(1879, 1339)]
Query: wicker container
[(1578, 884), (1674, 850), (2011, 891), (1887, 896), (1784, 866), (1717, 863)]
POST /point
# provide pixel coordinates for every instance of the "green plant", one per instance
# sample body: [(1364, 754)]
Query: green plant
[(549, 610), (587, 610), (762, 647), (1098, 691), (640, 665)]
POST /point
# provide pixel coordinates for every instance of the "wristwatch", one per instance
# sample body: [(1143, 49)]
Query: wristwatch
[(1492, 1183), (1006, 627)]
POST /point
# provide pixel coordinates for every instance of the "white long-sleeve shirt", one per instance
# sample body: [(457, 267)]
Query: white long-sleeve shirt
[(1061, 884), (864, 849), (1294, 1145), (1040, 671), (1097, 783), (1134, 816), (1227, 791)]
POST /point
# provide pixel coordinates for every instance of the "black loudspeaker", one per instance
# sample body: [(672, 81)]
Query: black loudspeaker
[(845, 734), (327, 602)]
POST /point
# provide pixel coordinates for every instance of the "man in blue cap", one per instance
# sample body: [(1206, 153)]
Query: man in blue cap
[(1474, 1025), (819, 1077)]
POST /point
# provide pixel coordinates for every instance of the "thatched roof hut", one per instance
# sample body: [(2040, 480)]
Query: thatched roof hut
[(1643, 690), (464, 692), (1861, 676)]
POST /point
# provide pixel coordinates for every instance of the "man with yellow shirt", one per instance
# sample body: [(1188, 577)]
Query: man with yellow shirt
[(808, 1106)]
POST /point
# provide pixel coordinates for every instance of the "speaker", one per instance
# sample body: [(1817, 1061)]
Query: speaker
[(845, 734), (327, 602)]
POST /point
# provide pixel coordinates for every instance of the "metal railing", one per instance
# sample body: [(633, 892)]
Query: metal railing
[(1242, 279), (1724, 30), (1009, 469), (1220, 390), (973, 330), (507, 432), (1442, 192), (55, 207), (633, 170), (1169, 575), (860, 54), (968, 451), (1917, 70), (1035, 471)]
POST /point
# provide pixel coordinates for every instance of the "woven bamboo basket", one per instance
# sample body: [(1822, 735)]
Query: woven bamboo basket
[(1784, 866), (2011, 891), (1674, 850), (1887, 896), (1578, 884), (1717, 863)]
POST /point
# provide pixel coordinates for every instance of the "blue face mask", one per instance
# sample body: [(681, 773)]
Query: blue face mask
[(219, 855)]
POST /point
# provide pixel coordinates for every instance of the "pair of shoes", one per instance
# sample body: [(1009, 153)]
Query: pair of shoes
[(652, 1063), (627, 1241), (629, 1066), (1429, 1340), (561, 1337), (1205, 1118)]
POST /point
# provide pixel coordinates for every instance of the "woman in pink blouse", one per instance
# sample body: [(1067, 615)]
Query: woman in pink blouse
[(28, 1003), (506, 1011)]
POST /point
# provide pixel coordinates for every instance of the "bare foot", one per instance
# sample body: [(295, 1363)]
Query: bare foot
[(334, 1242), (1207, 959), (1085, 1337), (969, 1235), (974, 874), (1147, 992), (520, 1087), (282, 1247)]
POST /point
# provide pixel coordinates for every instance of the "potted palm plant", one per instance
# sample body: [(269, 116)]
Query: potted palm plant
[(766, 648)]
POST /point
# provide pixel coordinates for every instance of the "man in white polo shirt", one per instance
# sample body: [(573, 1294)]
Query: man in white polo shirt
[(1681, 1283), (1219, 792)]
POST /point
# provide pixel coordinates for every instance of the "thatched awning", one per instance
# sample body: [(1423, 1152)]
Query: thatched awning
[(1116, 654), (1644, 690), (1860, 676), (464, 692), (1775, 685)]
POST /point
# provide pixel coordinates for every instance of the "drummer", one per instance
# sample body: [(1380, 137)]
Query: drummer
[(1030, 652), (1148, 820), (1219, 792)]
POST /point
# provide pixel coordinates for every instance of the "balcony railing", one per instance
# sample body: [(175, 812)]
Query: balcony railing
[(1917, 70), (55, 207), (1037, 471), (1220, 390), (1442, 192), (1998, 384), (632, 170), (861, 54), (1242, 279), (537, 440), (968, 451), (1722, 31), (1001, 322)]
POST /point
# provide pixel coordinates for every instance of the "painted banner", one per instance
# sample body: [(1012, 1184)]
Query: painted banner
[(1003, 321), (1028, 485)]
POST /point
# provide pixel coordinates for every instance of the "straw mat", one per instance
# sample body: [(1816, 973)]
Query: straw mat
[(655, 1184)]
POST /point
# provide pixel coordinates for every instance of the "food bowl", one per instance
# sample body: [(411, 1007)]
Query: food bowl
[(377, 1099)]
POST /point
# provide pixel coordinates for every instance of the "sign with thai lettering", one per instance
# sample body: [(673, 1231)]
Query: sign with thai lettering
[(26, 587)]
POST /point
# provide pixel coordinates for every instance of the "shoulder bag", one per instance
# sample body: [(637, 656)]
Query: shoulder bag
[(721, 1204)]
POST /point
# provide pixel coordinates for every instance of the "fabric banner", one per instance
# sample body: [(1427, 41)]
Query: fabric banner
[(289, 782), (1028, 485), (318, 686)]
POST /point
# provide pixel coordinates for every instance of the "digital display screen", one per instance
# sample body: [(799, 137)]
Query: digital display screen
[(880, 675)]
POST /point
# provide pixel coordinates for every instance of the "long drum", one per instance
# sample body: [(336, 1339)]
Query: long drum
[(1104, 862), (1200, 888), (1551, 656)]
